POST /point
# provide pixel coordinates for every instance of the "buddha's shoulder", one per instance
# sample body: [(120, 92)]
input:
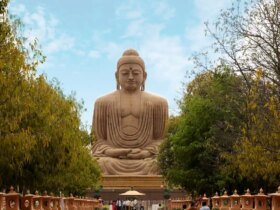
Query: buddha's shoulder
[(110, 97), (156, 99)]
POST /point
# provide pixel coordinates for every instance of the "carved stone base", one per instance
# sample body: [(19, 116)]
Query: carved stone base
[(152, 186), (137, 182)]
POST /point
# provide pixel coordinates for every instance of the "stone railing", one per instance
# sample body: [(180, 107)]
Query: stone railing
[(247, 201), (16, 201)]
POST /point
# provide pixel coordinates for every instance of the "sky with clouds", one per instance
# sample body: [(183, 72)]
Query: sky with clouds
[(83, 41)]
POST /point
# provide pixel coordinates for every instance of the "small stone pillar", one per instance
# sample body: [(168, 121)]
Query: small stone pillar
[(205, 199), (47, 203), (247, 201), (235, 201), (80, 204), (169, 203), (1, 200), (216, 204), (260, 201), (88, 204), (37, 201), (12, 200), (225, 204), (101, 203), (55, 201), (52, 201), (94, 204), (66, 203), (27, 200), (188, 202), (71, 203), (275, 200)]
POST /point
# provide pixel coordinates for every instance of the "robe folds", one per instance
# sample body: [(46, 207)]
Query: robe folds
[(108, 131)]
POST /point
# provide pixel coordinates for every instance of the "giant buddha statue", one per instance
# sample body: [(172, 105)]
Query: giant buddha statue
[(129, 123)]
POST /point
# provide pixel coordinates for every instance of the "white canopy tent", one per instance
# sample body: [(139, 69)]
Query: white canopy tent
[(132, 193)]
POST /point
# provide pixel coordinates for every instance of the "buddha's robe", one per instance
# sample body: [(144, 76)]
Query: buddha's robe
[(148, 134)]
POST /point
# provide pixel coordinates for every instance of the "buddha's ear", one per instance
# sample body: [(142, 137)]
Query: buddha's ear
[(117, 80), (145, 75), (142, 88)]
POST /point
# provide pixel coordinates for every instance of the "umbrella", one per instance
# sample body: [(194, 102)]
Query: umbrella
[(132, 193)]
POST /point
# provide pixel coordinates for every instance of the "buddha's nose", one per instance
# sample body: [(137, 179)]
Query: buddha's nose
[(130, 75)]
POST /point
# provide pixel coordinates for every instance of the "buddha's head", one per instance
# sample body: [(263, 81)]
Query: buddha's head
[(131, 74)]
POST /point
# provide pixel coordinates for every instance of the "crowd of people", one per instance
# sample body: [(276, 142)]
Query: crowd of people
[(128, 204), (133, 204)]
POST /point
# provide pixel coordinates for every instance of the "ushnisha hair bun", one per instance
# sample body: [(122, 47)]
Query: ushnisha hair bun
[(130, 56)]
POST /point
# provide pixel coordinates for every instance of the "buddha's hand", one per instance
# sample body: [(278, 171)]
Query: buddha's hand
[(117, 152), (139, 154)]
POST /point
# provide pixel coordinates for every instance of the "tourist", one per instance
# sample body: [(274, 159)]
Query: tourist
[(204, 206), (192, 206), (119, 204)]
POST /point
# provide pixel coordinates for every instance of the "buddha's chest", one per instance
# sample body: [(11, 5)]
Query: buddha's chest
[(130, 109), (130, 106)]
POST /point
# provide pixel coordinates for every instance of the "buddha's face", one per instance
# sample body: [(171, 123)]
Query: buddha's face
[(131, 77)]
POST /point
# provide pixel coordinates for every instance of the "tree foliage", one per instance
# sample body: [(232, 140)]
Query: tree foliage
[(257, 153), (248, 35), (208, 127), (43, 144), (225, 137)]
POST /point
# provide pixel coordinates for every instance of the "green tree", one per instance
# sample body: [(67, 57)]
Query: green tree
[(166, 156), (43, 144), (57, 129), (16, 69), (257, 153), (248, 37), (208, 127)]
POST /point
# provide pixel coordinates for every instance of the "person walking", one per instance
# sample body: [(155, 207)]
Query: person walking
[(204, 206)]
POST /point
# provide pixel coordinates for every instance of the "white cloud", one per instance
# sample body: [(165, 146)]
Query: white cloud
[(17, 9), (134, 29), (130, 10), (208, 9), (134, 14), (196, 38), (163, 10), (94, 54), (113, 50), (61, 43), (44, 27), (79, 52), (167, 59)]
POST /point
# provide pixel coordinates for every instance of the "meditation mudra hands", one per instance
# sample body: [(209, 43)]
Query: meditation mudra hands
[(124, 153)]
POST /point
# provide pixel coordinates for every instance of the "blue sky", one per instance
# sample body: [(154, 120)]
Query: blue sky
[(83, 41)]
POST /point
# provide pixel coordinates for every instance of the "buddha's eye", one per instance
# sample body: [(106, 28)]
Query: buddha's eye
[(124, 73), (136, 72)]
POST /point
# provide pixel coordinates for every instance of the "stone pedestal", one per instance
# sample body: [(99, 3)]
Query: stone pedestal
[(275, 198), (27, 200), (216, 201), (12, 200), (225, 203), (137, 182), (247, 201), (235, 201), (152, 186), (260, 201)]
